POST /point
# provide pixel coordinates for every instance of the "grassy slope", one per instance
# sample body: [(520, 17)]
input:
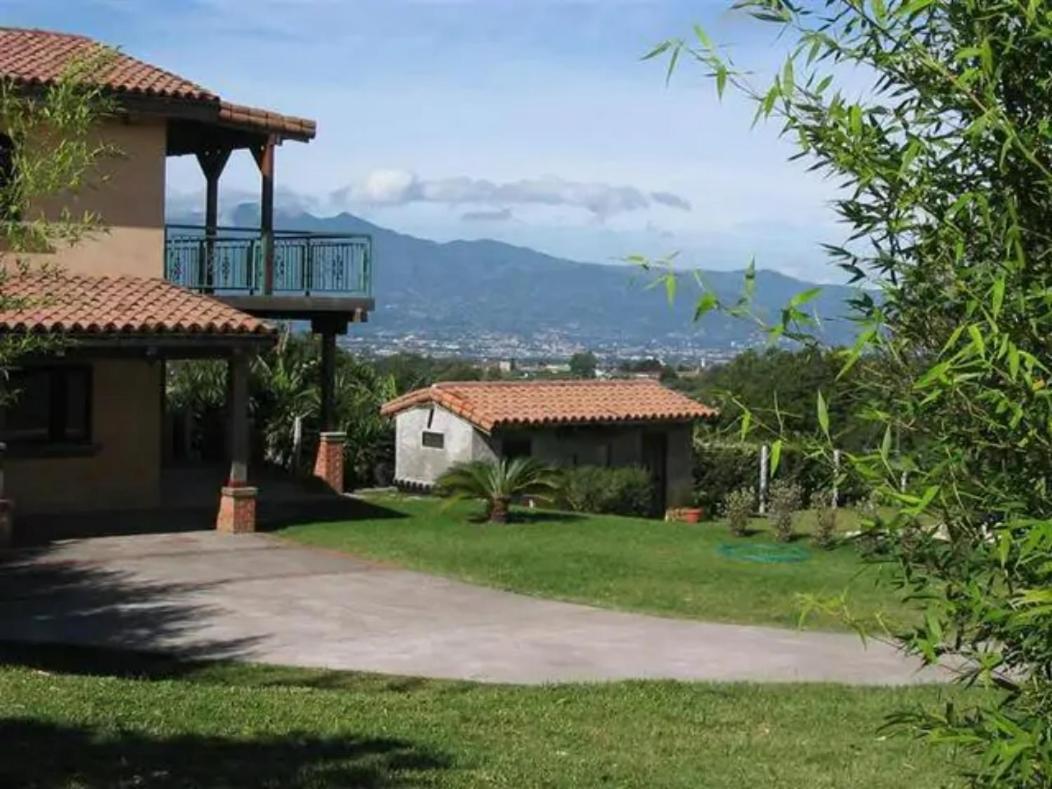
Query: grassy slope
[(641, 565), (246, 726)]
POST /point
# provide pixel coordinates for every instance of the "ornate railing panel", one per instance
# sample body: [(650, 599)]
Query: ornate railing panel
[(231, 261)]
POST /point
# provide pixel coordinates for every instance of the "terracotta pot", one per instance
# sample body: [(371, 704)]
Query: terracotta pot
[(690, 514)]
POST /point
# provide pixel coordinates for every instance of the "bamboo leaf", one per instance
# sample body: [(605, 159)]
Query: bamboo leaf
[(823, 414)]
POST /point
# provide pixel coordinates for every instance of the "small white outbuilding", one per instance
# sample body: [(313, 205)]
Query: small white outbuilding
[(563, 423)]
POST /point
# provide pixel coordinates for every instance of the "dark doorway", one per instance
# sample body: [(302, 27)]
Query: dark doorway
[(655, 460)]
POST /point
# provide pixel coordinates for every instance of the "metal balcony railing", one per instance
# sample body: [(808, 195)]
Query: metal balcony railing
[(232, 261)]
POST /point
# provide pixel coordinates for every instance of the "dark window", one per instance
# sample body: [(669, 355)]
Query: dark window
[(517, 448), (48, 406), (8, 199), (433, 440)]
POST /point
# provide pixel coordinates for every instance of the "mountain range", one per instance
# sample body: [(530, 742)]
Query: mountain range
[(465, 288)]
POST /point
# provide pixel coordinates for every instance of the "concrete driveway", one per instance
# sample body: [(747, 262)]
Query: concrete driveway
[(254, 597)]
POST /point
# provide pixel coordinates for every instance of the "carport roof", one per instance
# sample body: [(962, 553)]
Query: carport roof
[(121, 305), (501, 404)]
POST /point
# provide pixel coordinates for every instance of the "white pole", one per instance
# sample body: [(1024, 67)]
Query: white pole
[(763, 479), (297, 442)]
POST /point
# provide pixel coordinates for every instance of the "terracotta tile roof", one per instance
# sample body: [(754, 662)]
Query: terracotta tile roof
[(116, 305), (241, 115), (38, 57), (490, 405)]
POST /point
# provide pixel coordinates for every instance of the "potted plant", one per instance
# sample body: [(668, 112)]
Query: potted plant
[(686, 514)]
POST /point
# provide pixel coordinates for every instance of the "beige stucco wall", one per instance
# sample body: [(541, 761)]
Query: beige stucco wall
[(125, 470), (128, 195)]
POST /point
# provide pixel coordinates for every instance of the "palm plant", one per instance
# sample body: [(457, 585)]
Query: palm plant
[(497, 483), (284, 390), (360, 391)]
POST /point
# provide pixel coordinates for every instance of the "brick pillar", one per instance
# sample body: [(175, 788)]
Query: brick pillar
[(237, 510), (328, 466)]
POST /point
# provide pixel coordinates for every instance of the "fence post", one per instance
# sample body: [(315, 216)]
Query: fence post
[(763, 478)]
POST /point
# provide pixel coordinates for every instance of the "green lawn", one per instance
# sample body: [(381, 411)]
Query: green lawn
[(641, 565), (124, 721)]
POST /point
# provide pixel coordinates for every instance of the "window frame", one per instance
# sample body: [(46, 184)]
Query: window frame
[(58, 436), (425, 434)]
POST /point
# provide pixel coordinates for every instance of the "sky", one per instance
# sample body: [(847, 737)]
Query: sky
[(529, 121)]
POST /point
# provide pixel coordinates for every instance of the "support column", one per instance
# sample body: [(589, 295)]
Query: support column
[(265, 159), (212, 164), (328, 377), (328, 465), (237, 503)]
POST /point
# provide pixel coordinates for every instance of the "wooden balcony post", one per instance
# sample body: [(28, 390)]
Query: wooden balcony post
[(212, 163), (265, 159)]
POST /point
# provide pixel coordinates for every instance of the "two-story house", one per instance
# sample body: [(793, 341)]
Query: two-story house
[(85, 431)]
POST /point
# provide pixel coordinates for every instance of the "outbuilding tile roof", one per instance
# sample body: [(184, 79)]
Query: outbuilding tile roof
[(39, 57), (116, 305), (489, 405)]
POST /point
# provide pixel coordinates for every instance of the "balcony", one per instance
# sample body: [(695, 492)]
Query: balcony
[(307, 275)]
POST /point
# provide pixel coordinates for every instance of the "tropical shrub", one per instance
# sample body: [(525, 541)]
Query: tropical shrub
[(783, 500), (369, 452), (738, 507), (498, 483), (624, 490), (197, 392), (722, 467), (284, 389), (822, 504)]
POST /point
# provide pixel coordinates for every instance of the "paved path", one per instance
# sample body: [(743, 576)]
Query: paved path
[(257, 598)]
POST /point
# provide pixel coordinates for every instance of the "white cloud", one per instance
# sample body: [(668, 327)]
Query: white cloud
[(399, 187), (386, 187)]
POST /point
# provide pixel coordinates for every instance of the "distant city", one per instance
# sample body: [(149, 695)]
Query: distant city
[(541, 347)]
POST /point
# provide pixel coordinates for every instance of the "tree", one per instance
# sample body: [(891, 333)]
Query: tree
[(778, 385), (497, 483), (49, 151), (947, 173), (583, 364)]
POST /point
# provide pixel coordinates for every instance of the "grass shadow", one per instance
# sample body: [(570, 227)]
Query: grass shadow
[(526, 517), (272, 516), (44, 753), (158, 666)]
